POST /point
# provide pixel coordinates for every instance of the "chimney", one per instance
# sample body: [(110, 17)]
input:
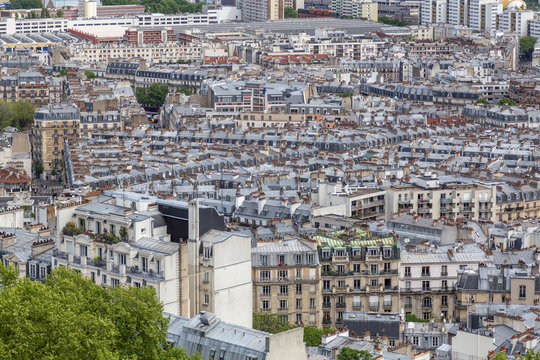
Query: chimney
[(7, 239), (193, 219), (42, 246), (261, 202)]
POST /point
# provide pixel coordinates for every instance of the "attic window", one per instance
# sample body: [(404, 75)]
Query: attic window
[(206, 252)]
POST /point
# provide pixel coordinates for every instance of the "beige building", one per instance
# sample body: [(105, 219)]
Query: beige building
[(359, 272), (53, 125), (426, 197), (219, 268), (286, 282)]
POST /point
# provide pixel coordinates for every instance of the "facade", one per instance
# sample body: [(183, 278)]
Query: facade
[(98, 120), (112, 245), (428, 277), (428, 198), (33, 87), (141, 36), (286, 282), (53, 125), (359, 272), (362, 9), (486, 289), (219, 267), (255, 10)]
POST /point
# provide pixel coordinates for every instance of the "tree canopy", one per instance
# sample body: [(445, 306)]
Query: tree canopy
[(289, 13), (154, 96), (89, 74), (313, 335), (19, 114), (481, 101), (25, 4), (161, 6), (526, 44), (271, 323), (507, 101), (70, 317), (392, 21), (347, 353)]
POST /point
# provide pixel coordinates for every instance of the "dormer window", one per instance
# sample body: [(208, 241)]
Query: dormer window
[(206, 252)]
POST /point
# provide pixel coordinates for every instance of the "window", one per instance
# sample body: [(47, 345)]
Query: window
[(298, 273), (425, 285), (444, 300), (387, 253), (265, 305), (206, 277), (326, 284), (283, 305), (281, 259), (206, 252), (426, 302), (407, 271), (206, 299), (386, 267), (265, 291), (137, 284), (158, 266), (408, 301), (299, 289), (222, 355), (299, 319), (415, 340), (122, 259), (357, 283), (115, 282), (444, 270), (283, 274), (299, 303), (104, 279), (435, 341), (144, 263), (522, 291), (283, 290), (298, 259), (373, 268), (264, 275), (426, 315), (32, 270), (84, 250), (374, 282), (444, 284), (425, 270), (356, 268), (341, 269), (312, 303), (264, 260), (491, 298)]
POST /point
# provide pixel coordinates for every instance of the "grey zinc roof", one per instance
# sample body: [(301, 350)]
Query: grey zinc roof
[(155, 245), (217, 236)]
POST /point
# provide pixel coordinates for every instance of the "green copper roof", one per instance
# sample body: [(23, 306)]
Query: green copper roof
[(355, 237)]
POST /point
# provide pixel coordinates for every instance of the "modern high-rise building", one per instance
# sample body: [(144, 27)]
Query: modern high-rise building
[(362, 9), (257, 10)]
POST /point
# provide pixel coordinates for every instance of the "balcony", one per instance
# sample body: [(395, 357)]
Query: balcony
[(357, 305), (341, 305), (387, 303), (326, 305), (427, 306), (327, 321), (285, 308), (408, 305), (340, 258), (444, 273), (445, 201)]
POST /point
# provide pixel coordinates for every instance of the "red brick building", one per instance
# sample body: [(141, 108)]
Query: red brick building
[(148, 36)]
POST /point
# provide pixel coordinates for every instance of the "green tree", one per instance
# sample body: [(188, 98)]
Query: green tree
[(22, 114), (347, 353), (89, 74), (154, 96), (271, 323), (526, 44), (25, 4), (45, 13), (501, 355), (507, 101), (16, 16), (70, 317), (289, 13), (481, 101), (62, 72), (184, 90), (391, 21), (413, 318), (313, 335), (60, 13), (5, 114), (38, 167)]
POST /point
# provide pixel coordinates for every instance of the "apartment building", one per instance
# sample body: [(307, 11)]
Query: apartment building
[(516, 21), (255, 10), (359, 272), (489, 287), (362, 203), (142, 36), (517, 203), (32, 87), (286, 282), (362, 9), (426, 197), (428, 276), (100, 120), (114, 245), (53, 125)]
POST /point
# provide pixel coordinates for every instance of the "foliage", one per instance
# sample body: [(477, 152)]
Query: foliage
[(33, 15), (60, 13), (123, 233), (526, 44), (19, 114), (89, 74), (70, 317), (271, 323), (161, 6), (8, 276), (25, 4), (345, 95), (45, 13), (62, 72), (347, 353), (153, 96), (289, 13), (184, 90), (38, 167), (507, 101), (413, 318), (312, 335), (391, 21), (182, 61), (501, 355), (482, 101), (70, 229)]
